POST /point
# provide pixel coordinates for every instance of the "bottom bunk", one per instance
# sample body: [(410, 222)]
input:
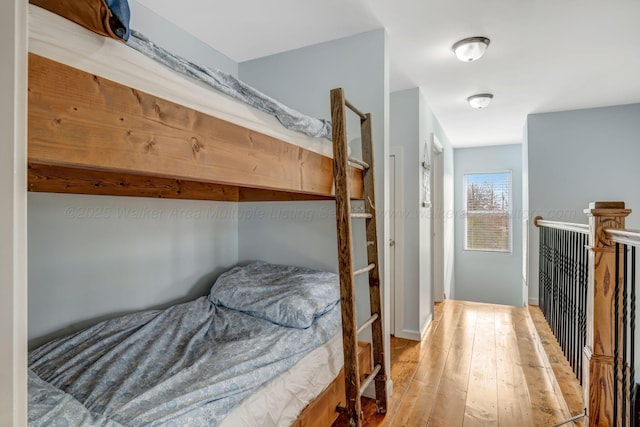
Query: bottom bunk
[(258, 350)]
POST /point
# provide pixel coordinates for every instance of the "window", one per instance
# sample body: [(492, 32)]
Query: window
[(488, 212)]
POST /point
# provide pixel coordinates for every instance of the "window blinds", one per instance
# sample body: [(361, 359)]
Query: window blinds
[(488, 205)]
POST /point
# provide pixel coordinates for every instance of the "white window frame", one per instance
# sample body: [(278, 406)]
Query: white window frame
[(509, 212)]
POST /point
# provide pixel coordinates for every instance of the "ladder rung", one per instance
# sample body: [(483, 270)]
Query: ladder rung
[(367, 323), (365, 269), (364, 164), (370, 243), (370, 378), (360, 215), (354, 109)]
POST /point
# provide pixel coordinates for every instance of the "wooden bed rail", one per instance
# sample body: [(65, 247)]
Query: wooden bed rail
[(90, 135)]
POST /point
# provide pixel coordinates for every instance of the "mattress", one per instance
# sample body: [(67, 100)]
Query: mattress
[(61, 40), (255, 352), (280, 402)]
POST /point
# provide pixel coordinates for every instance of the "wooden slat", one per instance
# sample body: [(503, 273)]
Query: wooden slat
[(345, 257), (546, 408), (261, 195), (359, 162), (360, 215), (364, 269), (82, 121), (482, 392), (567, 381), (366, 324), (450, 401), (367, 380), (373, 258), (59, 179), (514, 400)]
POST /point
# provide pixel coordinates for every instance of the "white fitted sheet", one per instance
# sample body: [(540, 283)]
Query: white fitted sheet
[(279, 402), (61, 40)]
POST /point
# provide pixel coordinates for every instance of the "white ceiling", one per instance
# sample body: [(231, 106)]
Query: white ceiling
[(545, 55)]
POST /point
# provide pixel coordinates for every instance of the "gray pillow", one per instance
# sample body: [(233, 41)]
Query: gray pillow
[(282, 294)]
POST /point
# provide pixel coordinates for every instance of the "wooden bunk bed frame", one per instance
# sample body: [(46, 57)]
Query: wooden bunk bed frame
[(90, 135)]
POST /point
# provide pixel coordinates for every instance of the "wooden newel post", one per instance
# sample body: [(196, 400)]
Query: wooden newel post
[(598, 361)]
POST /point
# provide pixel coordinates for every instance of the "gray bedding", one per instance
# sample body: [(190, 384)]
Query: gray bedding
[(189, 364), (228, 84)]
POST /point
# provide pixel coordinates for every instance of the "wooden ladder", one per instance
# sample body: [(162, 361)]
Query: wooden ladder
[(344, 215)]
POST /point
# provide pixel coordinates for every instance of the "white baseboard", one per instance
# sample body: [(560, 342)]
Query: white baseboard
[(412, 334), (533, 301), (409, 334), (425, 327)]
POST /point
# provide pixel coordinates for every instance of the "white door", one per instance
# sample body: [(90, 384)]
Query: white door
[(437, 221)]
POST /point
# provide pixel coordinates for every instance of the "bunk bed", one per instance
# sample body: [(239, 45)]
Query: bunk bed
[(104, 119)]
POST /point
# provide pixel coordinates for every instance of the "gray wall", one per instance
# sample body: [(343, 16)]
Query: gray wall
[(493, 277), (302, 78), (93, 257), (576, 157), (412, 124), (169, 36)]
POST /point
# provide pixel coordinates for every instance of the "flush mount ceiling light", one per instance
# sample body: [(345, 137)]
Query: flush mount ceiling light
[(480, 100), (471, 49)]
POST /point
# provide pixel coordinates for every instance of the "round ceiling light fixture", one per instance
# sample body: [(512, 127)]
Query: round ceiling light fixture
[(480, 101), (471, 49)]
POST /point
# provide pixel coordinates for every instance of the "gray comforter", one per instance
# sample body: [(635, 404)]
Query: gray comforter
[(228, 84), (191, 363)]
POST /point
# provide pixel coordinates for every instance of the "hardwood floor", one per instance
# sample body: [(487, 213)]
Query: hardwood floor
[(569, 385), (479, 365)]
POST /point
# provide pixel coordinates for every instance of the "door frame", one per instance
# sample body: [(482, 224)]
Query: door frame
[(437, 220), (13, 213), (396, 211)]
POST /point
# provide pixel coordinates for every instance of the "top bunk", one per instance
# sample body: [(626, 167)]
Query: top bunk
[(105, 119)]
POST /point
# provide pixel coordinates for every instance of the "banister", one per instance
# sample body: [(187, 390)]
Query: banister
[(607, 359), (569, 226), (624, 236)]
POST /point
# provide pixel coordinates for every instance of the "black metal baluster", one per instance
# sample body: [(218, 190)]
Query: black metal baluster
[(541, 263), (565, 288), (577, 305), (561, 295), (574, 300), (564, 303), (632, 371), (554, 282), (616, 313), (624, 337), (574, 290), (545, 283), (584, 289), (569, 335)]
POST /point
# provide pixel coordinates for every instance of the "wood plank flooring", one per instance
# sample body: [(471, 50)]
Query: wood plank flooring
[(479, 365)]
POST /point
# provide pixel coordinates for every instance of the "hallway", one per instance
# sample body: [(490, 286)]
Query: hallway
[(479, 365)]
